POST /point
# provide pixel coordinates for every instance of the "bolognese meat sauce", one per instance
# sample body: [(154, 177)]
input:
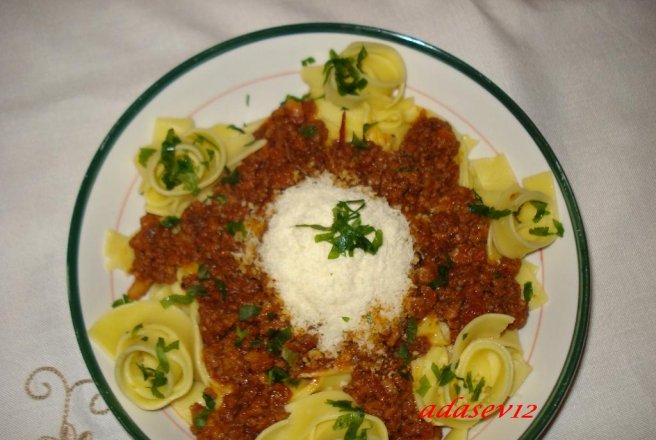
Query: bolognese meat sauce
[(451, 276)]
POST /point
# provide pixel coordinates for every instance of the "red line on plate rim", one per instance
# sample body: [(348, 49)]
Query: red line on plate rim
[(241, 86)]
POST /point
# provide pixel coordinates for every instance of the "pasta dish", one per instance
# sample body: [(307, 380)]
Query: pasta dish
[(338, 270)]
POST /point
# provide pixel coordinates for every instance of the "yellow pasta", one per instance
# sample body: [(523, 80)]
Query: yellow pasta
[(315, 418), (531, 219), (528, 274), (484, 367), (151, 347), (117, 250), (379, 111), (153, 367)]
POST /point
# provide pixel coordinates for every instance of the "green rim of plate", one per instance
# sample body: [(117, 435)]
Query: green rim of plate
[(566, 377)]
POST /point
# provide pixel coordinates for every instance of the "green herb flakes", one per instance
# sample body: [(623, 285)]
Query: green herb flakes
[(424, 386), (308, 131), (200, 419), (231, 178), (543, 231), (442, 274), (351, 421), (192, 293), (347, 232), (169, 222), (248, 311), (233, 228), (479, 208), (443, 375), (527, 291), (277, 339), (241, 335), (235, 128), (124, 299), (157, 377), (347, 71), (144, 155)]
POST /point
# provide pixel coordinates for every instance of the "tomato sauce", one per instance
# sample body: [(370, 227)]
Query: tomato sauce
[(420, 179)]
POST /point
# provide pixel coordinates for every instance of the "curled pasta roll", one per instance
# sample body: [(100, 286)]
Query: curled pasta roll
[(452, 387), (381, 67), (315, 418), (239, 142), (184, 165), (487, 366), (514, 235), (153, 368), (487, 326), (112, 327)]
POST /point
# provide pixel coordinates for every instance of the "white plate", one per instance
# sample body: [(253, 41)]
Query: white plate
[(263, 66)]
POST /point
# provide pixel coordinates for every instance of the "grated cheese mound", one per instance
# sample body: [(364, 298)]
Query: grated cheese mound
[(331, 297)]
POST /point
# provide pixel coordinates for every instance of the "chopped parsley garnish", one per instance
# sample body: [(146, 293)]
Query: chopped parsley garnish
[(191, 293), (248, 100), (409, 337), (424, 386), (347, 232), (248, 311), (178, 170), (157, 377), (540, 210), (476, 393), (351, 421), (203, 273), (403, 352), (527, 291), (442, 274), (232, 178), (169, 222), (479, 208), (308, 61), (135, 330), (346, 318), (544, 231), (308, 131), (362, 144), (233, 227), (200, 420), (144, 155), (234, 127), (443, 375), (278, 375), (277, 339), (220, 198), (241, 335), (294, 98), (121, 301), (289, 356), (347, 71), (221, 287)]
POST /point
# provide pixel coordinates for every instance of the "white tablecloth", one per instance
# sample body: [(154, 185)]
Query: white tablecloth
[(584, 71)]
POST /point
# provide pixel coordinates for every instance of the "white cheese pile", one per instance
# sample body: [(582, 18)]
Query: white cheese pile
[(329, 297)]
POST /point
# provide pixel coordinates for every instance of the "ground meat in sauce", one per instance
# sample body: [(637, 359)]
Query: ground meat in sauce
[(420, 179)]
